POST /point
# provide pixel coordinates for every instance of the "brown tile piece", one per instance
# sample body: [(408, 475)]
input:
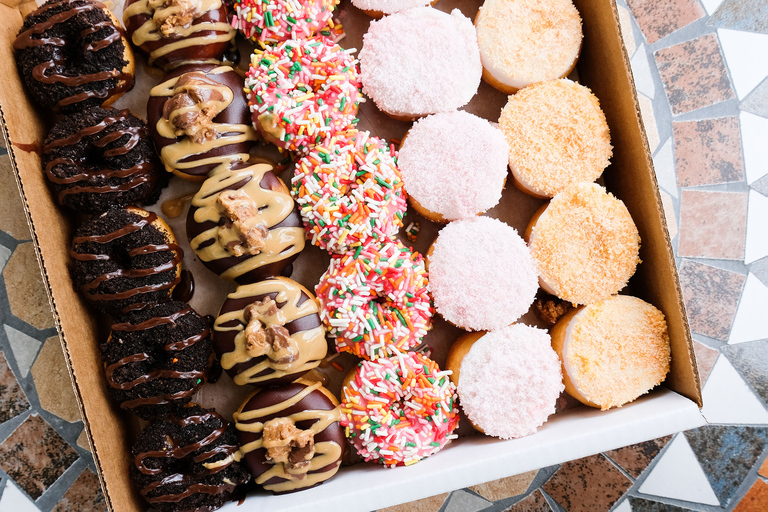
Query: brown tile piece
[(713, 224), (431, 504), (505, 487), (706, 151), (534, 502), (659, 18), (711, 296), (12, 218), (756, 499), (54, 387), (763, 471), (84, 495), (587, 484), (13, 401), (635, 458), (35, 456), (705, 359), (694, 74), (24, 284), (82, 441)]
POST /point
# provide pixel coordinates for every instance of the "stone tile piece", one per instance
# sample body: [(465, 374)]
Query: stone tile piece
[(505, 487), (704, 151), (740, 15), (625, 21), (694, 74), (587, 484), (13, 499), (659, 18), (753, 130), (727, 454), (705, 359), (747, 56), (712, 224), (13, 401), (729, 400), (24, 284), (757, 101), (635, 458), (13, 220), (760, 269), (54, 387), (751, 361), (463, 501), (84, 495), (643, 505), (534, 502), (757, 228), (761, 185), (35, 456), (669, 214), (649, 121), (756, 499), (711, 296), (751, 322), (431, 504), (24, 348), (82, 441), (5, 253)]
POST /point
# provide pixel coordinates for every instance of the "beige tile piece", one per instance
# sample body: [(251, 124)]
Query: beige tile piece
[(82, 441), (24, 285), (505, 487), (625, 20), (669, 213), (12, 218), (54, 387), (431, 504), (649, 120)]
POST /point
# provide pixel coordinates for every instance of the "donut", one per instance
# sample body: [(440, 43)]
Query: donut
[(273, 22), (481, 274), (269, 333), (242, 223), (454, 165), (303, 91), (612, 351), (101, 158), (557, 136), (290, 436), (349, 190), (399, 410), (527, 41), (374, 300), (187, 461), (508, 380), (379, 8), (584, 243), (156, 358), (420, 61), (125, 258), (198, 118), (176, 32), (60, 29)]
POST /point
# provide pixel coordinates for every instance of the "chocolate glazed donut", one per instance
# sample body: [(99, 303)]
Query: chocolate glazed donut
[(176, 32), (243, 224), (269, 333), (290, 436), (72, 55), (198, 118)]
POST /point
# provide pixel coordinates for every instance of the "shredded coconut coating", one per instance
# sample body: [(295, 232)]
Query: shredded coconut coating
[(454, 164), (527, 41), (481, 275), (349, 190), (303, 91), (510, 381), (585, 244), (557, 136), (389, 6), (420, 61), (616, 350), (278, 20), (374, 300), (399, 410)]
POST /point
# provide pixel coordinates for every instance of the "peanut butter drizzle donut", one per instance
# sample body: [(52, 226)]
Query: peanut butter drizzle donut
[(243, 224), (269, 333)]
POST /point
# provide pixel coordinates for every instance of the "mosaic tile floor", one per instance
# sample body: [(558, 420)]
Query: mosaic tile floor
[(700, 68)]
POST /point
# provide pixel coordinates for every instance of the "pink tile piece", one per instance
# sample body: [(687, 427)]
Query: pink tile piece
[(635, 458), (534, 502), (84, 495), (713, 224), (705, 359), (705, 151), (659, 18), (711, 296), (587, 484)]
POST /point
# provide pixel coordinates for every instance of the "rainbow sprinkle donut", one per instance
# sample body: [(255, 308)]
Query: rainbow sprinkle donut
[(349, 190), (374, 299), (399, 410), (303, 91), (267, 22)]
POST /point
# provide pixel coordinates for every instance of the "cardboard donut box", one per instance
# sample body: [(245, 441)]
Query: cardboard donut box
[(574, 433)]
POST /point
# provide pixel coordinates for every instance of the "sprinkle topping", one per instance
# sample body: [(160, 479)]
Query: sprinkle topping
[(273, 21)]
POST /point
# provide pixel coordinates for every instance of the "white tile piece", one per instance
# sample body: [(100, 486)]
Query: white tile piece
[(746, 54), (624, 506), (664, 163), (649, 121), (13, 500), (728, 399), (751, 321), (24, 348), (5, 253), (753, 136), (462, 501), (669, 213), (711, 5), (641, 70), (678, 475), (625, 20), (757, 227)]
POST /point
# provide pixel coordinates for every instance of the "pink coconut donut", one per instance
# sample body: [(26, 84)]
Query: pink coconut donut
[(454, 165), (278, 20), (481, 275), (420, 61)]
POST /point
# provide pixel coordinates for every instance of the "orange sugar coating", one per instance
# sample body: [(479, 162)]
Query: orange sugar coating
[(557, 136), (585, 244), (618, 349)]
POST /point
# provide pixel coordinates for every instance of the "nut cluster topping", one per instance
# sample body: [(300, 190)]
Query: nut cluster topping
[(170, 14), (288, 445), (265, 334), (241, 234), (195, 102)]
